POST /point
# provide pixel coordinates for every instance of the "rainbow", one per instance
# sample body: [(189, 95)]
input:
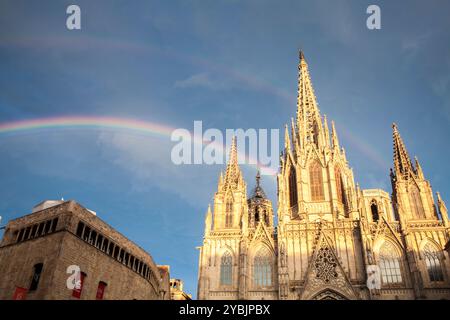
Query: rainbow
[(114, 123)]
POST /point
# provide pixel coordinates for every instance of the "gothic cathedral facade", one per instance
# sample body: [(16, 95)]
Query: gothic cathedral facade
[(332, 240)]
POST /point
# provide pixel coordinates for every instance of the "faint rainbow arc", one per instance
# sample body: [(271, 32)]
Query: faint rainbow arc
[(127, 124)]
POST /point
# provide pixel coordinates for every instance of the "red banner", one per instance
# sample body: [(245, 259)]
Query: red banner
[(20, 294), (76, 293), (100, 290)]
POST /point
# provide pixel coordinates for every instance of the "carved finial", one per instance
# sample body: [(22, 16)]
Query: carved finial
[(287, 139), (334, 136), (327, 132)]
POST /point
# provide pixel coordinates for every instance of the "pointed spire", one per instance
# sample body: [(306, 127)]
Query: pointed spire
[(293, 134), (233, 174), (258, 191), (308, 114), (287, 139), (442, 209), (233, 152), (419, 170), (334, 136), (208, 220), (402, 161), (327, 132), (301, 56), (220, 179)]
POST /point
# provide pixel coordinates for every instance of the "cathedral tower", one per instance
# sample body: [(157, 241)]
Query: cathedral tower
[(238, 256), (332, 239), (315, 180)]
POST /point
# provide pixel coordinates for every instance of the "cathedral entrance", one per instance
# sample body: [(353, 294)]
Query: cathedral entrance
[(329, 295)]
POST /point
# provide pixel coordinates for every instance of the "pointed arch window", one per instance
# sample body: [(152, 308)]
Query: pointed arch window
[(339, 185), (229, 214), (374, 210), (293, 195), (390, 264), (316, 182), (416, 203), (226, 269), (262, 268), (433, 263)]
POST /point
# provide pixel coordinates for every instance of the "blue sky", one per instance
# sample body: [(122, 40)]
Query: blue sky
[(231, 64)]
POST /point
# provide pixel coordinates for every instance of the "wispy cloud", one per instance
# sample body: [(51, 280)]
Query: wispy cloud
[(201, 80), (148, 162)]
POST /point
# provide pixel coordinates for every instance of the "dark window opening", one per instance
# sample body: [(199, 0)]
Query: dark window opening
[(21, 234), (374, 210), (110, 248), (80, 229), (101, 290), (86, 234), (37, 271), (40, 228), (293, 195), (27, 233), (33, 231), (92, 237), (116, 253), (54, 224), (105, 245), (98, 241)]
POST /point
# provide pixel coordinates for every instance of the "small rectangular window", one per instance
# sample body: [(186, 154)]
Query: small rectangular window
[(54, 224), (87, 232), (21, 234), (33, 231), (101, 290), (80, 229), (132, 262), (92, 237), (110, 248), (27, 233), (98, 241), (47, 226), (40, 229), (37, 270), (116, 253), (105, 245)]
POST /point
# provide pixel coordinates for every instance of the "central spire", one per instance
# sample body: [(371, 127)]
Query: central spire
[(233, 174), (402, 162), (309, 121)]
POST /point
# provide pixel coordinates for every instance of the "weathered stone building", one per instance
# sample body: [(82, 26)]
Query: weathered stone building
[(176, 290), (61, 244), (332, 240)]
